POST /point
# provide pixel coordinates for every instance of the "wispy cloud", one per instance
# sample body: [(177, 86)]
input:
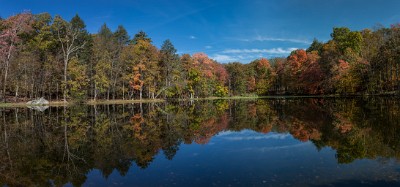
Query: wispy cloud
[(192, 37), (243, 55), (248, 55), (259, 38), (268, 51), (224, 58), (274, 148), (262, 39), (208, 47), (228, 133), (260, 137)]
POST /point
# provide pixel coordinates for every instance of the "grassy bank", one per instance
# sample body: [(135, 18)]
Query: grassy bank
[(89, 102), (23, 104), (120, 101)]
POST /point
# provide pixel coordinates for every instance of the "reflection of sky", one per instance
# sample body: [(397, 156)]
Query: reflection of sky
[(248, 135), (248, 158), (253, 141)]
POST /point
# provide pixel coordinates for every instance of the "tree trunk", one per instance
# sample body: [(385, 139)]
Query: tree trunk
[(113, 92), (50, 96), (108, 94), (140, 94), (65, 79), (16, 93), (6, 71), (95, 92), (57, 92), (32, 95), (123, 91), (5, 83)]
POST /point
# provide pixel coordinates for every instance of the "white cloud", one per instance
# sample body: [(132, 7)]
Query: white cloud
[(248, 55), (228, 133), (268, 51), (263, 39), (192, 37), (208, 46), (274, 148), (223, 58), (260, 137), (241, 57)]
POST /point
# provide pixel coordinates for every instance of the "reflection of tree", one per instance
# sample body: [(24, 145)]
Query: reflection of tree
[(63, 144), (358, 129), (137, 127), (38, 146), (301, 131)]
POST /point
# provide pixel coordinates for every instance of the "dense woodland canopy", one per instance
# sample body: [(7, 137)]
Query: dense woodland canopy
[(45, 56)]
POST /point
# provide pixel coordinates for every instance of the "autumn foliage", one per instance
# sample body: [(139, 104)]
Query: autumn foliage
[(51, 57)]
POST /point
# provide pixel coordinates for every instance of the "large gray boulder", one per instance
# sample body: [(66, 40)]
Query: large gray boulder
[(40, 101)]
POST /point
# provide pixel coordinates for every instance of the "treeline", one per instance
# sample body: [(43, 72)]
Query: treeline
[(352, 62), (45, 56)]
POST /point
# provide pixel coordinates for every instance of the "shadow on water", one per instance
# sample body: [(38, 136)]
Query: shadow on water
[(63, 145)]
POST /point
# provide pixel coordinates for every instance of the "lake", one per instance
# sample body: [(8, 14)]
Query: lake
[(260, 142)]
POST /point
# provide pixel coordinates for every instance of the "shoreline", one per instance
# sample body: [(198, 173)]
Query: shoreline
[(88, 102), (120, 101)]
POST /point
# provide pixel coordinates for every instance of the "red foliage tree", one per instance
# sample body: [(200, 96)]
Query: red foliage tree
[(15, 26), (311, 76), (295, 63), (137, 79), (303, 72)]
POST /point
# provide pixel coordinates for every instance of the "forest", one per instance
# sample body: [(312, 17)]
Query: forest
[(45, 56)]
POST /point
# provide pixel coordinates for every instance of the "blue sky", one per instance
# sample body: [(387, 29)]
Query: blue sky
[(227, 30)]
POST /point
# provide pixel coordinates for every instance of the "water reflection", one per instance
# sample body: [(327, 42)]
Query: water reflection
[(63, 145)]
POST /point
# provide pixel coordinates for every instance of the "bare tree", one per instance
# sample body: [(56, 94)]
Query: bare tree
[(68, 36)]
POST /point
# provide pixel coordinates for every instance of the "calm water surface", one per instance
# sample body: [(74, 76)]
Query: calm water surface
[(271, 142)]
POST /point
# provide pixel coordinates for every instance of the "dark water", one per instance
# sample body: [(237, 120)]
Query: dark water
[(275, 142)]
